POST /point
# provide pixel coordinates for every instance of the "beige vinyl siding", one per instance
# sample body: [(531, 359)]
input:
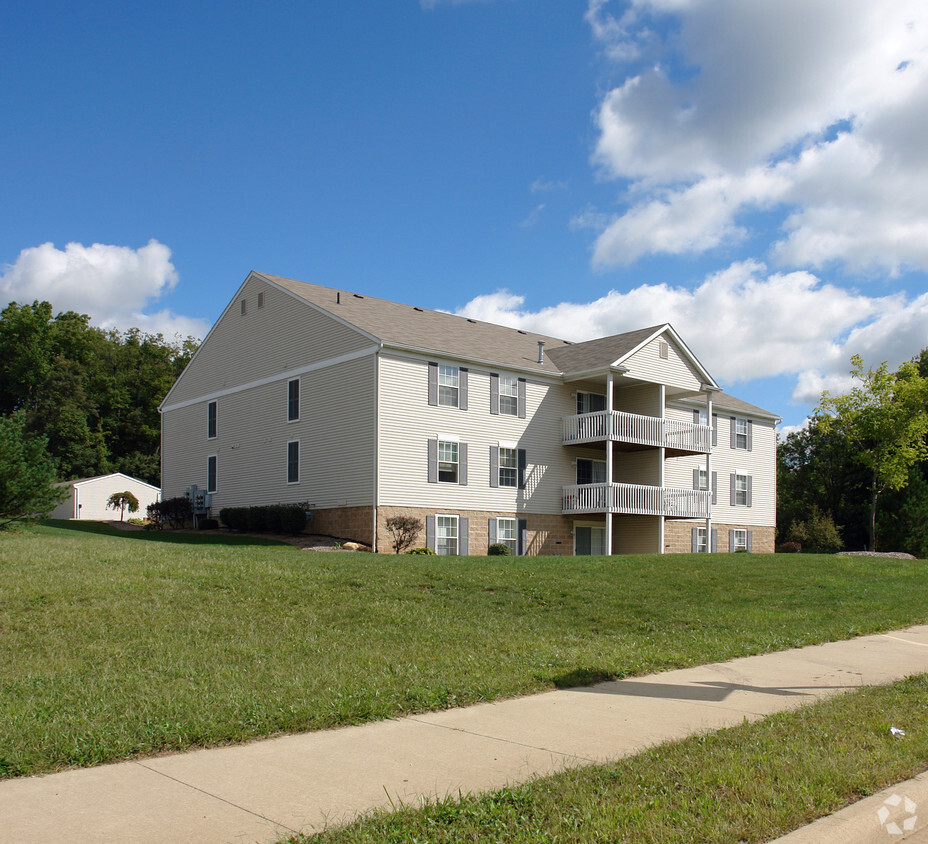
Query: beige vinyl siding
[(408, 422), (335, 431), (647, 365), (637, 467), (644, 399), (759, 463), (636, 534), (288, 332)]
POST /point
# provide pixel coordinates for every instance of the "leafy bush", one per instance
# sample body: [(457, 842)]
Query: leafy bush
[(274, 518), (817, 534), (425, 551), (790, 548), (122, 501), (499, 549), (208, 524), (172, 512), (405, 530)]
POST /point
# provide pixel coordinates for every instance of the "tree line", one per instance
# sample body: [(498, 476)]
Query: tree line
[(857, 476), (91, 393)]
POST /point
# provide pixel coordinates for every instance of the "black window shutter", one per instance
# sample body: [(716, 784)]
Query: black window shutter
[(494, 393), (494, 466), (715, 429), (750, 540), (521, 398), (491, 531), (750, 490), (433, 462), (433, 383), (734, 434), (463, 536), (715, 487), (695, 546), (734, 497), (462, 464), (750, 435), (430, 532), (731, 541), (462, 388), (522, 463), (715, 541)]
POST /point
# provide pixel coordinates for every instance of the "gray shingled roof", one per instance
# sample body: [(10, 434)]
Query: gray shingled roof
[(460, 337), (434, 331), (723, 401)]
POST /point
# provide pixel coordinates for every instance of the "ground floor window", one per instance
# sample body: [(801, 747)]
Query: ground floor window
[(506, 534), (702, 541), (589, 540), (739, 540), (446, 535)]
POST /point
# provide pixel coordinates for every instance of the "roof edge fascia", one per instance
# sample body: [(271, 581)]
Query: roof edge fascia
[(416, 351)]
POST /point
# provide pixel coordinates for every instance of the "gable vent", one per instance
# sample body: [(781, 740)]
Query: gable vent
[(664, 350)]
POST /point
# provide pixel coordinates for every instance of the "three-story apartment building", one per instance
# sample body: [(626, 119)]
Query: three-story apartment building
[(363, 409)]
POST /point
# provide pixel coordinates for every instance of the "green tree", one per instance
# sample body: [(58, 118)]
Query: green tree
[(122, 500), (884, 420), (27, 473)]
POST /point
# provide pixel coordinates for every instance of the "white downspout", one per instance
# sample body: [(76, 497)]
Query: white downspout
[(376, 441), (609, 501)]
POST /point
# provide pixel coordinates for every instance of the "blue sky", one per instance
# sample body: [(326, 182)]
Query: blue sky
[(753, 173)]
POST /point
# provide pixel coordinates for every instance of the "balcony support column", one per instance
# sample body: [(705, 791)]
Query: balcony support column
[(709, 472), (661, 456), (609, 403)]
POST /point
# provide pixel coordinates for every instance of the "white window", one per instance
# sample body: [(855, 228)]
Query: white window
[(739, 540), (293, 462), (293, 400), (446, 534), (741, 433), (506, 534), (702, 544), (448, 384), (591, 471), (447, 462), (508, 466), (590, 402), (509, 395), (703, 479), (211, 413), (702, 417), (741, 490), (211, 467)]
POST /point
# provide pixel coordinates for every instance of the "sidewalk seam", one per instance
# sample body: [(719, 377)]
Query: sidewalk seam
[(217, 797)]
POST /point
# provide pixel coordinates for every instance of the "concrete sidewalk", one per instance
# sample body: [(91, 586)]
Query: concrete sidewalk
[(268, 789)]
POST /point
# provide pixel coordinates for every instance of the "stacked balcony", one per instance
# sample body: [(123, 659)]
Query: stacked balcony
[(632, 431)]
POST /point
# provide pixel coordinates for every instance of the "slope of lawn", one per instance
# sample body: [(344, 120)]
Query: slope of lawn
[(114, 646), (753, 782)]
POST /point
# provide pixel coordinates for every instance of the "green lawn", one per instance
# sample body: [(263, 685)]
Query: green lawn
[(753, 782), (118, 645)]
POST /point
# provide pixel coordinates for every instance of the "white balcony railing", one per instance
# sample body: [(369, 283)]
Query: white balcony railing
[(634, 428), (635, 498)]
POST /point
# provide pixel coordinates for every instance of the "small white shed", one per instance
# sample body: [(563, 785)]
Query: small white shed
[(88, 497)]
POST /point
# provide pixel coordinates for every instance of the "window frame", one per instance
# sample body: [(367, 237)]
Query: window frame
[(512, 480), (291, 464), (741, 436), (593, 462), (212, 420), (584, 396), (741, 489), (702, 540), (508, 391), (444, 387), (513, 541), (212, 473), (293, 401), (736, 545), (454, 520), (456, 462)]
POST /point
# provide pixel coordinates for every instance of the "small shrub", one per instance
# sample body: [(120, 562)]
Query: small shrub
[(424, 551), (405, 530), (208, 524), (818, 534), (258, 519), (790, 548), (499, 549), (293, 519), (135, 520), (122, 501)]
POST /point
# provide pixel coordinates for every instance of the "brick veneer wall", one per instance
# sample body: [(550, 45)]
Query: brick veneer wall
[(354, 523), (678, 537), (546, 534)]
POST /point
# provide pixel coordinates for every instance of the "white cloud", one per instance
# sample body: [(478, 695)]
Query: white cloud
[(735, 106), (743, 323), (113, 284)]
